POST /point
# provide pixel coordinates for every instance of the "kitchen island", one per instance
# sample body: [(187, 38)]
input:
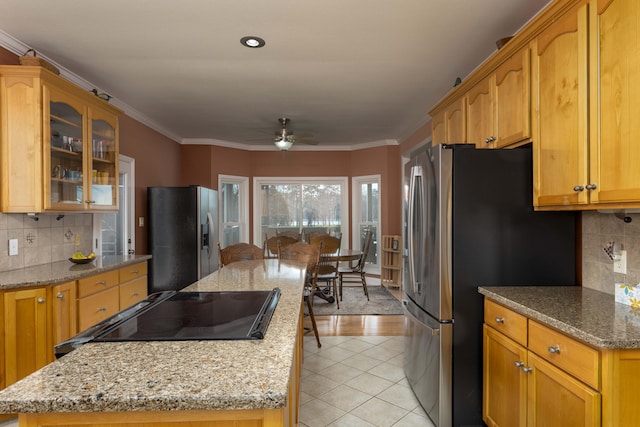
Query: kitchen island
[(195, 383)]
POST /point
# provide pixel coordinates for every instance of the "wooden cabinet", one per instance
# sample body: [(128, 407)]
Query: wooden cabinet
[(586, 66), (133, 284), (480, 114), (59, 144), (26, 341), (391, 261), (534, 375), (63, 311), (449, 125)]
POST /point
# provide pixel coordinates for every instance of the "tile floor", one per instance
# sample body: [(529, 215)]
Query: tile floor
[(357, 381)]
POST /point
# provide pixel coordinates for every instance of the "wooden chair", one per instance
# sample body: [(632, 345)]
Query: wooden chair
[(273, 244), (356, 274), (309, 235), (290, 233), (304, 252), (328, 266), (239, 252)]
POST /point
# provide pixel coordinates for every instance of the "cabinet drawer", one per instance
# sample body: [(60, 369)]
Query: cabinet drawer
[(578, 359), (97, 307), (92, 284), (132, 271), (508, 322), (132, 292)]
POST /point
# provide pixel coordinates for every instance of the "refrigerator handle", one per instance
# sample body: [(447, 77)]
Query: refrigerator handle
[(414, 186), (206, 232)]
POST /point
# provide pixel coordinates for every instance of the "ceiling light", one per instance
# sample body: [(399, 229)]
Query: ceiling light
[(252, 42), (283, 144)]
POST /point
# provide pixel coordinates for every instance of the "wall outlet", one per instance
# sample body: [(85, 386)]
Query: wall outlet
[(77, 239), (13, 247), (620, 265)]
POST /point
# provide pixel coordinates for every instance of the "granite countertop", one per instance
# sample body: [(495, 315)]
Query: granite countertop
[(588, 315), (178, 375), (64, 271)]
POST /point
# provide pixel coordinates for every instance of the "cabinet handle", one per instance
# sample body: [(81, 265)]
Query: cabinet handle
[(102, 309), (578, 188), (135, 272), (60, 296), (40, 300), (136, 294), (102, 282), (554, 349), (591, 186), (490, 139), (499, 319), (519, 364), (526, 369)]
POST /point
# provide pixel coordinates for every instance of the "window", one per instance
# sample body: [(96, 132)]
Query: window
[(366, 216), (233, 195), (114, 232), (300, 204)]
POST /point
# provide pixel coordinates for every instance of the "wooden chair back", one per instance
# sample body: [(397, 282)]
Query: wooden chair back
[(239, 252), (296, 235), (327, 245), (304, 252), (273, 244), (366, 248), (309, 235)]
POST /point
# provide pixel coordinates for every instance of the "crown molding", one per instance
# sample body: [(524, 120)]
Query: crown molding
[(296, 147)]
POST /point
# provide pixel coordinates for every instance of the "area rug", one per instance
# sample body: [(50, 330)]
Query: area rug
[(354, 302)]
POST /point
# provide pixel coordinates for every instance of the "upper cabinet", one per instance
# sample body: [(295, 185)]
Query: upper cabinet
[(480, 114), (59, 144), (449, 125), (559, 69)]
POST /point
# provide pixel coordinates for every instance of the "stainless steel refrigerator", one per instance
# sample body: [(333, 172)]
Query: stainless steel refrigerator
[(469, 222), (182, 235)]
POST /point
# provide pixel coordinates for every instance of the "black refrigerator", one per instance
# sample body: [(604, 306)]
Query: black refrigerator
[(469, 222), (182, 235)]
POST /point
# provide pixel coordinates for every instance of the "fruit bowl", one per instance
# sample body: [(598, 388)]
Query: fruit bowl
[(81, 260)]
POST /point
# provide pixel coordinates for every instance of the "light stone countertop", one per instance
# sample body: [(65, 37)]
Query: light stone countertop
[(63, 271), (586, 314), (178, 375)]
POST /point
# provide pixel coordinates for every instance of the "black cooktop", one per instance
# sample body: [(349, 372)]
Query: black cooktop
[(171, 316)]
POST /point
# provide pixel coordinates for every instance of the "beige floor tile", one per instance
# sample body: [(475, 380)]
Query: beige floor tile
[(341, 373), (368, 383), (316, 385), (400, 396), (336, 353), (317, 362), (317, 413), (388, 371), (349, 420), (379, 413), (362, 362), (356, 345), (414, 420), (383, 353), (345, 397)]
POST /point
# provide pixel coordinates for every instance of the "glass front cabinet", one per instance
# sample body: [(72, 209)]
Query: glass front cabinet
[(70, 132)]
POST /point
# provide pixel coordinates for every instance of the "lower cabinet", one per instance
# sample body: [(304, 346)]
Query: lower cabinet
[(545, 382), (36, 319)]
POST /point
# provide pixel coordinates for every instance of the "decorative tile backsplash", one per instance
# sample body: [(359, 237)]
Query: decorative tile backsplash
[(600, 232), (52, 237)]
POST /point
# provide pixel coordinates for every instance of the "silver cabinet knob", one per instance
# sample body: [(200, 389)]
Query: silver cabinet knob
[(526, 369), (60, 296), (519, 364), (499, 319), (102, 282), (102, 309), (591, 186), (554, 349), (490, 139), (40, 300), (578, 188), (135, 272)]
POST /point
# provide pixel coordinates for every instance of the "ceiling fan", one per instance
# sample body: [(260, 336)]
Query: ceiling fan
[(285, 138)]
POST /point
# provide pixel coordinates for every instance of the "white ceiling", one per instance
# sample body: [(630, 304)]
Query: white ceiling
[(350, 72)]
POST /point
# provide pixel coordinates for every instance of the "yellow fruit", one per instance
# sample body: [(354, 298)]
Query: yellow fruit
[(91, 255)]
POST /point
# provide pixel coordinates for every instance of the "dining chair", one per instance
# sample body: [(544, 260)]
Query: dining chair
[(239, 252), (290, 233), (357, 274), (329, 247), (309, 235), (272, 244), (309, 254)]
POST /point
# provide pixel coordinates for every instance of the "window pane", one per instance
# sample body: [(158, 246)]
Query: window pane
[(280, 208), (321, 208), (230, 202), (230, 235), (370, 194)]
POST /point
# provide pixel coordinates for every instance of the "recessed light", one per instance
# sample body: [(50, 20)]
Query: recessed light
[(252, 42)]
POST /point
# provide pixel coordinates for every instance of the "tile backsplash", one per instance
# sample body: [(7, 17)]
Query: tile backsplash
[(51, 238), (599, 230)]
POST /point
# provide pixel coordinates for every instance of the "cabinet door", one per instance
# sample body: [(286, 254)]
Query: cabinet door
[(64, 158), (505, 384), (103, 146), (132, 292), (615, 92), (25, 328), (557, 399), (480, 118), (97, 307), (64, 315), (559, 73), (438, 129), (456, 122), (513, 100)]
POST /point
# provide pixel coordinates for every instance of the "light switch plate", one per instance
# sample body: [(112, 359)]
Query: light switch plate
[(13, 247), (620, 265)]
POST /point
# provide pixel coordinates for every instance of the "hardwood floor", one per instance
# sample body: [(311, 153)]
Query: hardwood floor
[(362, 325)]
